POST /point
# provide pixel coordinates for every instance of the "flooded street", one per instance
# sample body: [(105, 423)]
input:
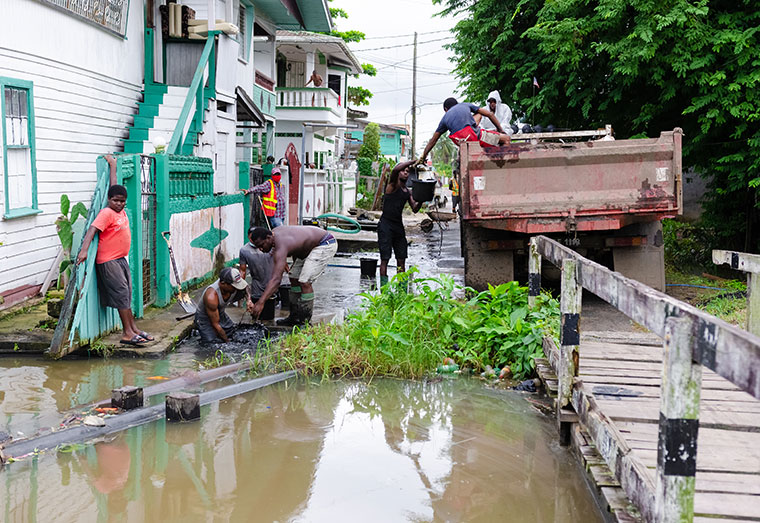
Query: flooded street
[(390, 450), (299, 451)]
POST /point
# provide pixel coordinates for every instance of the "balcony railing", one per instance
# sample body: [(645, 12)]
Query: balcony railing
[(305, 97)]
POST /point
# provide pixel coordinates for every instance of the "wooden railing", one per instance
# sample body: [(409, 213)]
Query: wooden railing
[(691, 338), (202, 86), (749, 263)]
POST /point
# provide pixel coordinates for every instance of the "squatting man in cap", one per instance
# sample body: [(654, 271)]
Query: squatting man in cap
[(214, 325)]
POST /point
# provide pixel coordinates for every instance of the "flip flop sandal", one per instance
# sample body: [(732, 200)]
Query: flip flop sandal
[(135, 341), (146, 336)]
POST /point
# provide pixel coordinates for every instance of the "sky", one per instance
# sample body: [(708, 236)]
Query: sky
[(389, 26)]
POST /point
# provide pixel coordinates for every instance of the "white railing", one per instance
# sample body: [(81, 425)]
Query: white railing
[(308, 97), (327, 191)]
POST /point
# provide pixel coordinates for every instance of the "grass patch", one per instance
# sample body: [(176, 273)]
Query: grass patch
[(727, 299), (408, 334)]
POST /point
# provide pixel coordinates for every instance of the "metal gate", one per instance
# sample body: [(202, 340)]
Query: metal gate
[(257, 213), (149, 233)]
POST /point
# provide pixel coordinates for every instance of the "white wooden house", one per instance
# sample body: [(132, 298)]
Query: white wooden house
[(79, 79), (311, 120), (70, 79)]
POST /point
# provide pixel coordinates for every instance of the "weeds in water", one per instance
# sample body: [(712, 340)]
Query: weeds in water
[(398, 333), (217, 360)]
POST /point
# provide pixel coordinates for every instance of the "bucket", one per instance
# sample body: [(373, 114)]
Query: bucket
[(367, 267), (284, 296), (267, 313), (423, 190)]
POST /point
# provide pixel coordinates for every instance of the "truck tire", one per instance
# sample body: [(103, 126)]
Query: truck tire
[(645, 263), (482, 266)]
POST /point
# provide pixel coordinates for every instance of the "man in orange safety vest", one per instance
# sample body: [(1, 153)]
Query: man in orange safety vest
[(272, 198)]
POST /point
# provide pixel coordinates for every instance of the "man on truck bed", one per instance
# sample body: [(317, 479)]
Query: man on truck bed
[(460, 124)]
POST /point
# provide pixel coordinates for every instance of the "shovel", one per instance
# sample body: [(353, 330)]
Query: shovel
[(183, 299)]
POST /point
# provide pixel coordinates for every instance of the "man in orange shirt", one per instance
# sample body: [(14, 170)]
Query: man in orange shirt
[(111, 266)]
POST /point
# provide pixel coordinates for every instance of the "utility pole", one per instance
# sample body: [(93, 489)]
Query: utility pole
[(414, 98)]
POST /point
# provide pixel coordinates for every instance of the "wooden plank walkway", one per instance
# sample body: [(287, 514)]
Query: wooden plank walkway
[(624, 380)]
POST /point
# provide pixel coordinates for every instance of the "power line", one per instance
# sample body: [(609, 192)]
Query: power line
[(410, 34), (403, 45), (407, 88)]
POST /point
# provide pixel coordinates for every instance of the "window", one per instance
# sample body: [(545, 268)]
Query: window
[(245, 28), (19, 166)]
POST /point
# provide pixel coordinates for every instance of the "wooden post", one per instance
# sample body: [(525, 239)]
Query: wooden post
[(127, 398), (679, 424), (570, 339), (570, 309), (380, 188), (181, 406), (753, 303), (534, 273)]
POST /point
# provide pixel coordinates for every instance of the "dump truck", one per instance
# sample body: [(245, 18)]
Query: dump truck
[(604, 198)]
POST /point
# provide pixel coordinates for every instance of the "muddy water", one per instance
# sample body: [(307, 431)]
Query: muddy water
[(311, 452)]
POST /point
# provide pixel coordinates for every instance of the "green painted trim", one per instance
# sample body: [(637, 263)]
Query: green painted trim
[(21, 212), (249, 18), (149, 51), (196, 282), (163, 216), (330, 140), (181, 205), (29, 87), (319, 137), (244, 182), (340, 68), (308, 89), (322, 59), (288, 135)]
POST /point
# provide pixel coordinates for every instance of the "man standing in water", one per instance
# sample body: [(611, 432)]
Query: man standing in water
[(391, 236), (311, 248), (214, 325)]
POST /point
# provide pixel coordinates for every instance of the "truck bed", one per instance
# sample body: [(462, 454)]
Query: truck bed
[(580, 186)]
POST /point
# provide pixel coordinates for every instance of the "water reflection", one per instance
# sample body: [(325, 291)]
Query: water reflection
[(384, 451)]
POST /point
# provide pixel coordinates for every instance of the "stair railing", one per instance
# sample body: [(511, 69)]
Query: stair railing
[(206, 71)]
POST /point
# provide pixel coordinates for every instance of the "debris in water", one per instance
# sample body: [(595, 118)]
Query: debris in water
[(527, 386), (505, 373), (94, 421), (157, 378), (107, 410)]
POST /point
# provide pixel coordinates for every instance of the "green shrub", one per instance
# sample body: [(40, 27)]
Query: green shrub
[(404, 334), (687, 246), (365, 166)]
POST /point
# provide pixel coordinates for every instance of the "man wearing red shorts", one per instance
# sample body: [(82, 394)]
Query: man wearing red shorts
[(460, 124)]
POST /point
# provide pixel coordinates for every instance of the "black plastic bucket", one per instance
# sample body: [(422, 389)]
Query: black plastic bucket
[(267, 313), (284, 296), (367, 267), (423, 190)]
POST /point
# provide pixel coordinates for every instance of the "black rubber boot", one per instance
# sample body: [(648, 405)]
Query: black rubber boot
[(295, 309), (307, 309)]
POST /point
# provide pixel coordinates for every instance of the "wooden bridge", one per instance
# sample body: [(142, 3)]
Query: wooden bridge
[(667, 424)]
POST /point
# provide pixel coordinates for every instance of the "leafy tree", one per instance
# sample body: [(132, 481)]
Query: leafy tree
[(371, 146), (444, 152), (644, 67), (359, 95)]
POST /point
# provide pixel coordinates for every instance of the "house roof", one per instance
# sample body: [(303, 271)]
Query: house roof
[(247, 111), (337, 51), (312, 15)]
